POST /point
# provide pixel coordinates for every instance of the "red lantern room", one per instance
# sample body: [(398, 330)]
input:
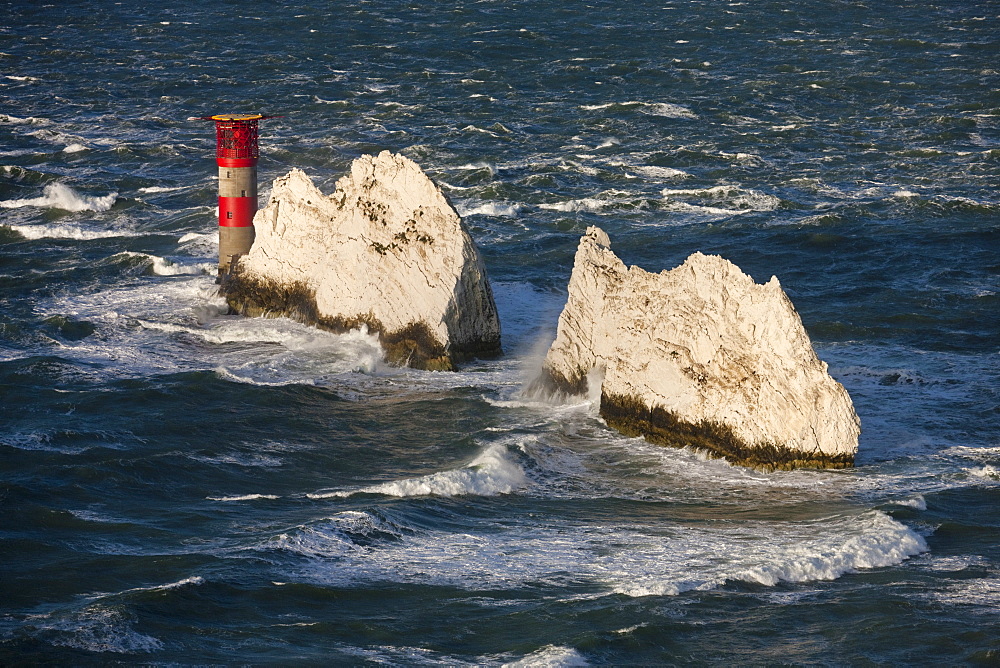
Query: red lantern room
[(236, 139)]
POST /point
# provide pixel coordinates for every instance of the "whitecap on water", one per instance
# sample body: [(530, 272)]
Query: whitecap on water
[(61, 196), (476, 166), (584, 204), (66, 231), (474, 208), (661, 172), (492, 472), (609, 199), (731, 196), (163, 267), (164, 326), (95, 628), (978, 592), (550, 656), (159, 189), (665, 109), (30, 120), (203, 243), (987, 472), (101, 625), (242, 497), (389, 655), (916, 501), (666, 558)]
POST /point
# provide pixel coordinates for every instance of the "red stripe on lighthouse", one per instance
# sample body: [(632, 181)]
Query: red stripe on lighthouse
[(237, 211), (235, 162)]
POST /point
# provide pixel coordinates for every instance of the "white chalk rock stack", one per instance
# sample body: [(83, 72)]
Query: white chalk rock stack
[(386, 250), (700, 356)]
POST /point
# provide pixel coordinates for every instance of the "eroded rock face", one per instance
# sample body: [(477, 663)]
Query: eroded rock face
[(386, 250), (700, 355)]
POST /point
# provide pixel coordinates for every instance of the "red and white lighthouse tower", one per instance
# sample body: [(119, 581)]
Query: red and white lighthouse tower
[(236, 154)]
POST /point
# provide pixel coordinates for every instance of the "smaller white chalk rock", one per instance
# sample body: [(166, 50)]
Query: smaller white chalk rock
[(700, 356), (386, 250)]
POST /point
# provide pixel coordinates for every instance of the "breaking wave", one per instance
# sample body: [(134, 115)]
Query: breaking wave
[(61, 196), (662, 560), (65, 231), (665, 109), (487, 209), (242, 497), (732, 197), (493, 472)]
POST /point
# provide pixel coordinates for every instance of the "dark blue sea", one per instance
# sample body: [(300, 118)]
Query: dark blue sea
[(182, 486)]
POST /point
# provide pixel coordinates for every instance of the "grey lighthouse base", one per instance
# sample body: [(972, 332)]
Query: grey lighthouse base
[(233, 242)]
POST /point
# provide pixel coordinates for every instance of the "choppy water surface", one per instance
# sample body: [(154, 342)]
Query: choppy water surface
[(181, 485)]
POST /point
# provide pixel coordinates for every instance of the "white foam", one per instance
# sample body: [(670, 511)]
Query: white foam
[(92, 516), (473, 128), (61, 196), (658, 172), (878, 542), (476, 166), (284, 331), (30, 120), (207, 242), (583, 169), (166, 326), (669, 110), (65, 231), (164, 267), (94, 628), (491, 473), (730, 195), (665, 558), (584, 204), (987, 472), (159, 189), (550, 656), (748, 159), (226, 374), (453, 187), (333, 536), (665, 109), (952, 564), (917, 501), (389, 655), (319, 100), (253, 458), (469, 208), (41, 441), (708, 212), (242, 497), (193, 580), (983, 592)]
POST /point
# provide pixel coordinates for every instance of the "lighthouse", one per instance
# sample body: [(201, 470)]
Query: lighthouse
[(236, 155)]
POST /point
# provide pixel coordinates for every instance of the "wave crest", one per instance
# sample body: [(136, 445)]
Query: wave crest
[(61, 196), (492, 473)]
